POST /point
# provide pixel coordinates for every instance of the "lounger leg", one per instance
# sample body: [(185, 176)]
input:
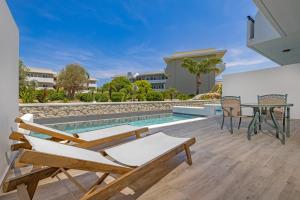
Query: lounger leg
[(240, 123), (188, 154), (74, 180), (31, 188), (138, 135), (22, 192), (99, 181)]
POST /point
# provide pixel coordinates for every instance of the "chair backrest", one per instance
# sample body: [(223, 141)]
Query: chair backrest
[(272, 99), (34, 127), (233, 102)]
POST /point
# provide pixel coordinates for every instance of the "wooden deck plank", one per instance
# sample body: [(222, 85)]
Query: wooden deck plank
[(224, 167)]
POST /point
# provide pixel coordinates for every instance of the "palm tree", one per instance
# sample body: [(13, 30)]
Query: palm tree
[(171, 93), (198, 68)]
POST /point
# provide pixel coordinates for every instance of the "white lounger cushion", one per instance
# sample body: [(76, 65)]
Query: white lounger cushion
[(91, 135), (141, 151), (47, 128), (107, 132), (54, 148)]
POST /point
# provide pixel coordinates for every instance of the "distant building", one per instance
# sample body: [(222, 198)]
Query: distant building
[(46, 78), (92, 84), (182, 79), (157, 79)]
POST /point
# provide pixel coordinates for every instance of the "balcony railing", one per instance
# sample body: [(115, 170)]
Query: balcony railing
[(250, 27)]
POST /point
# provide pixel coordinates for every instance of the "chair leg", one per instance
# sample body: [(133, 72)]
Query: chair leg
[(231, 128), (240, 121), (222, 123), (283, 122)]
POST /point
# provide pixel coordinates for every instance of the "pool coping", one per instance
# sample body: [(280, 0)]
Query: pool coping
[(74, 119), (176, 122)]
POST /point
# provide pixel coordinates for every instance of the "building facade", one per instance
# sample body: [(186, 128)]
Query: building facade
[(43, 78), (46, 78), (156, 79), (9, 57), (274, 33), (185, 82)]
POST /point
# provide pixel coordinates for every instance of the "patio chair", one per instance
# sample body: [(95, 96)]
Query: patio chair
[(131, 161), (231, 106), (279, 113), (85, 140)]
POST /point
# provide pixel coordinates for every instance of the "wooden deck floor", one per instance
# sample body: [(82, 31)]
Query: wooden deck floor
[(224, 167)]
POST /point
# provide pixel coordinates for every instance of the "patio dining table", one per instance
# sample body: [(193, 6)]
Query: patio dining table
[(281, 132)]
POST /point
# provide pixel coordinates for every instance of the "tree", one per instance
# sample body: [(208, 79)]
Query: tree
[(72, 78), (22, 74), (143, 86), (198, 68), (110, 87), (171, 92), (121, 83)]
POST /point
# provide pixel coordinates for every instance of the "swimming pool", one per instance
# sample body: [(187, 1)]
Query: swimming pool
[(140, 121)]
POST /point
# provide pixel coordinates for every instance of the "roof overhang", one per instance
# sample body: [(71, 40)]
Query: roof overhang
[(196, 54)]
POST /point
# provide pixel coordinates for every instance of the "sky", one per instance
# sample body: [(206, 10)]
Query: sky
[(110, 37)]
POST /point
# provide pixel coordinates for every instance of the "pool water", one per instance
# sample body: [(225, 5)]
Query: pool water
[(140, 121)]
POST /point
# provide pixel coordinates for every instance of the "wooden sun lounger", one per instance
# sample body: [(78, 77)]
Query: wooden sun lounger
[(85, 140), (133, 160)]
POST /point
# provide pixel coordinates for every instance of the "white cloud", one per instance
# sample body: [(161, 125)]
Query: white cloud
[(243, 62)]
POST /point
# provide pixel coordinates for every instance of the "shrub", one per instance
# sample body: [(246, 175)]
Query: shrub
[(85, 97), (117, 96), (141, 97), (99, 97), (183, 97), (217, 88), (41, 95), (212, 95), (27, 95), (154, 96), (56, 95)]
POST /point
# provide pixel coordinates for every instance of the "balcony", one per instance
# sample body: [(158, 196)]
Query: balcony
[(41, 80), (92, 85), (157, 81)]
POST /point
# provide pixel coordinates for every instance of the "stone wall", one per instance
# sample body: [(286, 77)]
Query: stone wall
[(56, 110)]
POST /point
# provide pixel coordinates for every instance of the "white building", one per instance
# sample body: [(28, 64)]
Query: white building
[(157, 79), (46, 78), (9, 86), (275, 34)]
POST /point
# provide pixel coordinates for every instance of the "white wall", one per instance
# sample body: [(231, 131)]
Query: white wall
[(281, 80), (9, 55)]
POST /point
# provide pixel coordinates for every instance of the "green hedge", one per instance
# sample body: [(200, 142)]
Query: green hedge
[(85, 97), (99, 97), (154, 96), (117, 96), (56, 95), (41, 95)]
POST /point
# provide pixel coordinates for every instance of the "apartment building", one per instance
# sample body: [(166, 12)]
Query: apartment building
[(185, 82), (43, 78), (273, 32), (92, 84), (46, 78), (157, 79)]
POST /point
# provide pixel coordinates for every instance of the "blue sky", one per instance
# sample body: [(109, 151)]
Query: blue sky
[(112, 37)]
